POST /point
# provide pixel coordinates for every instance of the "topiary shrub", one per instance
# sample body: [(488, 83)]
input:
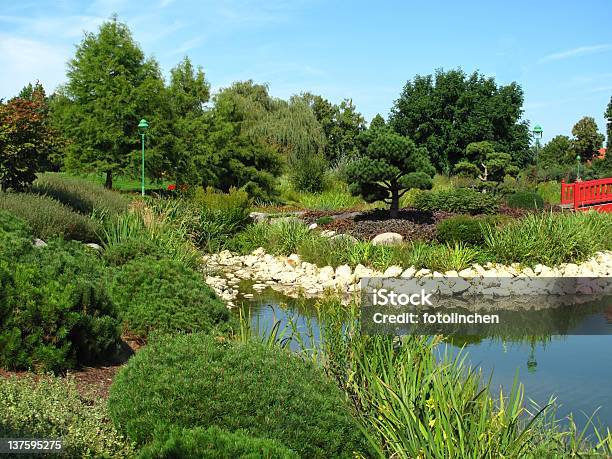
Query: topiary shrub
[(55, 313), (460, 200), (525, 200), (50, 407), (198, 381), (81, 195), (49, 218), (213, 443), (461, 228), (167, 296)]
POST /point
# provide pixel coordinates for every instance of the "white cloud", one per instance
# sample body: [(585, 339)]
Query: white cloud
[(577, 52), (23, 61)]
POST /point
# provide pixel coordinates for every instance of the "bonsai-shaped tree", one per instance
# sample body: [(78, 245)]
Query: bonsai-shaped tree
[(391, 166)]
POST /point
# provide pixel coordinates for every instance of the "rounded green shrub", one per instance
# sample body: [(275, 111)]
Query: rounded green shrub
[(15, 237), (122, 252), (459, 200), (213, 443), (461, 228), (198, 381), (525, 200), (167, 296), (55, 312)]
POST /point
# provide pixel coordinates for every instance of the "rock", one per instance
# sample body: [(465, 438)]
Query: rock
[(313, 226), (451, 273), (94, 246), (409, 272), (39, 243), (293, 259), (422, 272), (387, 239), (468, 273), (361, 272), (393, 271), (258, 217), (260, 252), (326, 274), (328, 233), (344, 271)]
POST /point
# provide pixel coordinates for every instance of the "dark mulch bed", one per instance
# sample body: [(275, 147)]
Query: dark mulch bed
[(412, 224)]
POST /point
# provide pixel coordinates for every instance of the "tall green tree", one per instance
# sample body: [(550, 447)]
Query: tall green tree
[(447, 111), (110, 87), (587, 139), (392, 165), (558, 151), (27, 138)]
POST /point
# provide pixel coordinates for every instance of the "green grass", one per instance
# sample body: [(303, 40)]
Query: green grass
[(416, 399)]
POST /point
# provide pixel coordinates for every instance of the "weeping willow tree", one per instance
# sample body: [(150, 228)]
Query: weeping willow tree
[(290, 127)]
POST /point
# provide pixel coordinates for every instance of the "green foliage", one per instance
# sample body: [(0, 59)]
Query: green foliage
[(213, 443), (550, 238), (218, 216), (460, 200), (158, 229), (387, 171), (196, 381), (525, 200), (56, 313), (447, 111), (48, 218), (27, 140), (466, 169), (335, 197), (51, 407), (164, 295), (110, 87), (558, 151), (81, 195), (278, 238), (550, 192), (461, 228), (308, 173), (587, 139), (416, 398), (325, 220)]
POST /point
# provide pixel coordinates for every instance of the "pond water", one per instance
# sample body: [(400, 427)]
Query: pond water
[(576, 369)]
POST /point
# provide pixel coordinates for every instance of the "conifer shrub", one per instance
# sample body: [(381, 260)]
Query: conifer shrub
[(165, 295), (461, 228), (213, 443), (459, 200), (525, 200), (196, 380)]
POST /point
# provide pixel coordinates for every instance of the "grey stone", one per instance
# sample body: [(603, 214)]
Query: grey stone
[(387, 239)]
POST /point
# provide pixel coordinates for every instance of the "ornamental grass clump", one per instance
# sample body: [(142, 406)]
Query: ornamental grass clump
[(190, 381), (415, 397), (550, 238)]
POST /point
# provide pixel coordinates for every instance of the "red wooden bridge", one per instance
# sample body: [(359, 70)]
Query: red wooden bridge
[(592, 194)]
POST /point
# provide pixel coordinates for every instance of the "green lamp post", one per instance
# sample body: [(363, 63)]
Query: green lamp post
[(537, 134), (142, 128), (578, 168)]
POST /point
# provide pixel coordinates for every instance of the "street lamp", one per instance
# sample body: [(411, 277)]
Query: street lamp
[(537, 134), (578, 168), (142, 128)]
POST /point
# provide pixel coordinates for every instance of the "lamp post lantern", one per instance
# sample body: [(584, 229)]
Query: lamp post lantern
[(537, 134), (142, 128), (578, 168)]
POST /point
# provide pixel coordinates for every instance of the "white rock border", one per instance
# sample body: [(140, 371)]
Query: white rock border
[(293, 277)]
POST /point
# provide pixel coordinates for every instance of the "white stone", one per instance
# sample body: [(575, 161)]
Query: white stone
[(393, 271), (38, 243), (328, 233), (294, 259), (387, 239), (409, 272), (94, 246), (451, 273), (313, 226), (344, 272), (361, 272), (326, 274), (422, 272)]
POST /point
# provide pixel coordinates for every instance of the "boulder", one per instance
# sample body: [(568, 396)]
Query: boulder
[(39, 243), (387, 239)]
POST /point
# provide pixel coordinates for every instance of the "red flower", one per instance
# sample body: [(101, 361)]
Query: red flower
[(171, 187)]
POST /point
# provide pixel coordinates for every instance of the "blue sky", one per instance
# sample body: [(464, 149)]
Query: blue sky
[(559, 52)]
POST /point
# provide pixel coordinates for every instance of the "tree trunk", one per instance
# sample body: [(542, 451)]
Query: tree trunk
[(394, 202), (109, 180)]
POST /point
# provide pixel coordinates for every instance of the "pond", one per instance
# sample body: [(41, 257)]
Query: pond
[(576, 369)]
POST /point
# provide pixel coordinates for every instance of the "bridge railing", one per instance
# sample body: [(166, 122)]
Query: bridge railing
[(591, 192)]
